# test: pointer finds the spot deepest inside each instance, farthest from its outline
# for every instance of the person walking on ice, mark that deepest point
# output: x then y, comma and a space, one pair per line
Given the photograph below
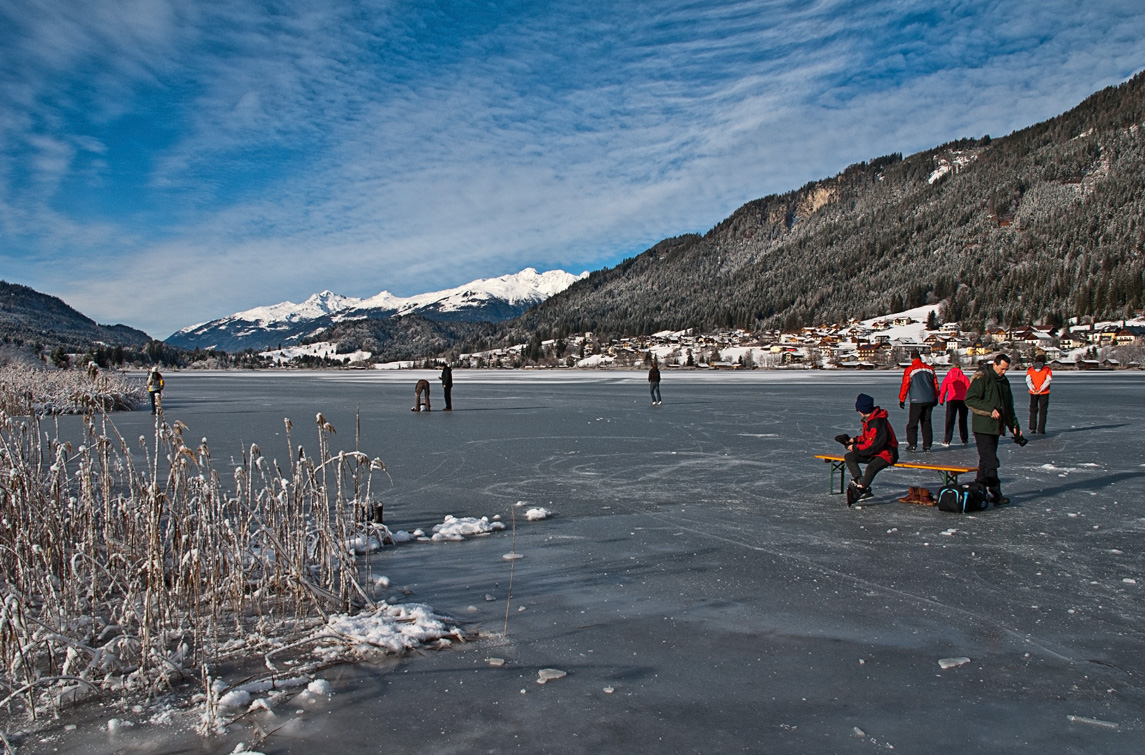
953, 394
155, 390
990, 401
920, 389
876, 447
421, 395
654, 383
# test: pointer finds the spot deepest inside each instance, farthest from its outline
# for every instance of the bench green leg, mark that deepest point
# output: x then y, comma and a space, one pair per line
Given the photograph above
949, 478
841, 468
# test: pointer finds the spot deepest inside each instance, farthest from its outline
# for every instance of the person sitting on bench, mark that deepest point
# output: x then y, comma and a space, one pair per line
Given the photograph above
876, 447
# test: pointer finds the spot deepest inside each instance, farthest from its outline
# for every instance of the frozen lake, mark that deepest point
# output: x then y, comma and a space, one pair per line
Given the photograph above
697, 582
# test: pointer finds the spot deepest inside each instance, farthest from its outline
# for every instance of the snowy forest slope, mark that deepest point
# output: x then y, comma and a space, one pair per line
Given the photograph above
1040, 225
28, 316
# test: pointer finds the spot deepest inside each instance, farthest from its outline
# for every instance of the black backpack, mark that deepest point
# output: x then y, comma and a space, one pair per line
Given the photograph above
964, 498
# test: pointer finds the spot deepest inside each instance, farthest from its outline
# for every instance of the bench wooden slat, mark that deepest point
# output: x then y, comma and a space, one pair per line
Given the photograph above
949, 472
912, 465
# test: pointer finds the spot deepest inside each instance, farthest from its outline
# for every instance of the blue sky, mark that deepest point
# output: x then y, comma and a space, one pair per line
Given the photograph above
165, 163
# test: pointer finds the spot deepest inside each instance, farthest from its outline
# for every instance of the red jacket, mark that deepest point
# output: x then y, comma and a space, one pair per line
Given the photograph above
878, 438
954, 386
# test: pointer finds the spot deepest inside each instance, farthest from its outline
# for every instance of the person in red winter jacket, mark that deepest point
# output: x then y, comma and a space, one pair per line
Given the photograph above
952, 392
876, 447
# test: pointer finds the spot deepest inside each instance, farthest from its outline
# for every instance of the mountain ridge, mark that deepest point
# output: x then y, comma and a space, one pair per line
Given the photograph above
483, 300
1038, 225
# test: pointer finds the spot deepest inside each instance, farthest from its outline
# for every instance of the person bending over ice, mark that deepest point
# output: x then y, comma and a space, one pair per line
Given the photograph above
876, 447
421, 396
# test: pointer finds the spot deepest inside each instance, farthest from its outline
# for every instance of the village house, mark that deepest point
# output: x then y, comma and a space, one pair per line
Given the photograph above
1068, 340
1124, 337
995, 335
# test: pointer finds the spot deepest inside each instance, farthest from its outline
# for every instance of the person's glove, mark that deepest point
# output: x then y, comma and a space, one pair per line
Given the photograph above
843, 438
902, 405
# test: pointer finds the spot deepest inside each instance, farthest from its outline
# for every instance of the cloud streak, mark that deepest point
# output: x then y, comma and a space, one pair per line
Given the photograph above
168, 163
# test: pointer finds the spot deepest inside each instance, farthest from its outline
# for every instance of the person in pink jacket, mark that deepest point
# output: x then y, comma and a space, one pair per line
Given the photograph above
953, 394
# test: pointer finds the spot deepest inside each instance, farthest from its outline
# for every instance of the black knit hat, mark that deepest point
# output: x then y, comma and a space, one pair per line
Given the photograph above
864, 404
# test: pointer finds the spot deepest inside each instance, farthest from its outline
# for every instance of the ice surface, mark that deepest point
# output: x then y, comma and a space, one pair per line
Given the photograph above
700, 569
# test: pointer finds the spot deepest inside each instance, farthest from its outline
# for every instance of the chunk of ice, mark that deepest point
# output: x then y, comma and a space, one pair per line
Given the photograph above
549, 674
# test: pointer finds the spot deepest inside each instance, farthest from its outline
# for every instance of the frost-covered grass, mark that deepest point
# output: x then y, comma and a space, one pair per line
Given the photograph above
25, 390
129, 567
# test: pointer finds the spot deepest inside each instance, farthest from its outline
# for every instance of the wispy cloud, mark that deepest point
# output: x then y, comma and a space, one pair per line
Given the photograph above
165, 163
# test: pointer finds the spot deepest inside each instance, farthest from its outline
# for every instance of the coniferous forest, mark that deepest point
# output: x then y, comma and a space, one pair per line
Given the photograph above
1038, 226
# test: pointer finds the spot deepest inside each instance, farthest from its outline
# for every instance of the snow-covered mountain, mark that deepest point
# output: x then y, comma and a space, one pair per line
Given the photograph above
485, 300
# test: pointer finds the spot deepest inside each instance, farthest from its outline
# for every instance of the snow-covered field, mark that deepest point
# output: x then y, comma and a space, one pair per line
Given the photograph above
677, 578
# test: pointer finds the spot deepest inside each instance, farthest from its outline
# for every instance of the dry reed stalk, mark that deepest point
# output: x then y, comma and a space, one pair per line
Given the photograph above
120, 573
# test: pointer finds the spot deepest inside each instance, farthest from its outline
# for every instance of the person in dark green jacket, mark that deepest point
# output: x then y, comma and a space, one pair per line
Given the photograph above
990, 401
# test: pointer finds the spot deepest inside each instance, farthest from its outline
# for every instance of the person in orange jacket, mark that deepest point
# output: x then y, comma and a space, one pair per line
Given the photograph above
1038, 379
920, 388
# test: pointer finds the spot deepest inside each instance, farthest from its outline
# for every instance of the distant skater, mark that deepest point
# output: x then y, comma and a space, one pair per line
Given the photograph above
155, 390
421, 395
654, 383
447, 386
953, 394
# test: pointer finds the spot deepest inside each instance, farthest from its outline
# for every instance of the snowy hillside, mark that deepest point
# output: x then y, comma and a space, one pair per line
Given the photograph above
527, 287
484, 300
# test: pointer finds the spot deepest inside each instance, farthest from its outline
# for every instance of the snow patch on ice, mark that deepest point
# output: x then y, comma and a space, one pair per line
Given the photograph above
319, 687
392, 629
236, 698
454, 528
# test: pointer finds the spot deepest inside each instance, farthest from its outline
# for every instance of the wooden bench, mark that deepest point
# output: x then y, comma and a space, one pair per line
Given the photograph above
949, 472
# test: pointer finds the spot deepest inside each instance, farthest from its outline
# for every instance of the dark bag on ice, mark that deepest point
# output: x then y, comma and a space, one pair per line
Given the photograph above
964, 498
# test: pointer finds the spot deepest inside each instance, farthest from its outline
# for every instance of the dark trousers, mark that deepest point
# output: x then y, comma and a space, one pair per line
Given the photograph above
655, 389
1039, 405
875, 464
919, 413
448, 391
955, 407
988, 461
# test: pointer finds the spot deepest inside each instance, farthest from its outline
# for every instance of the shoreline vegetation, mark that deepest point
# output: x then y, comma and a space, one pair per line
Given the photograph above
134, 570
27, 390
